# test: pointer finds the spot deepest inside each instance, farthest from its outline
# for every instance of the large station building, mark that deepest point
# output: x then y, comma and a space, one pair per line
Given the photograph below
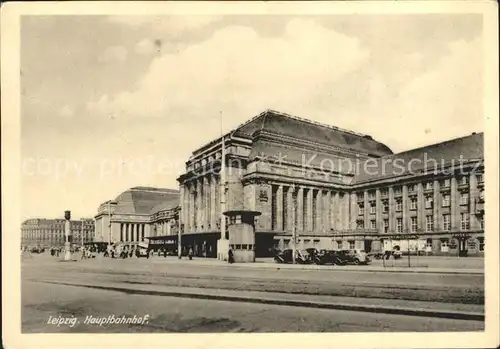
337, 188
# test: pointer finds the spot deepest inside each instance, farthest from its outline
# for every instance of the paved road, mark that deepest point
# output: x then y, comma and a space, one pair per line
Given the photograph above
325, 281
166, 314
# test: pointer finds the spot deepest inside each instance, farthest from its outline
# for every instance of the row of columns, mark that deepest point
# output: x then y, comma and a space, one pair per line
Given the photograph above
316, 209
200, 201
163, 228
132, 231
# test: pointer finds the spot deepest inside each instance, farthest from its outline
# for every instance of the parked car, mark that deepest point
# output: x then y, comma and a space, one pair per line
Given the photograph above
352, 257
326, 257
285, 256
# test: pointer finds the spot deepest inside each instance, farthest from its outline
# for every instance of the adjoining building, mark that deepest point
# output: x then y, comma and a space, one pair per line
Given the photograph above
335, 188
50, 232
338, 189
137, 213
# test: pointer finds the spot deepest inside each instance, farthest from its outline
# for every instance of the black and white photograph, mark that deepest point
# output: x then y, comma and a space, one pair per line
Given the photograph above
284, 168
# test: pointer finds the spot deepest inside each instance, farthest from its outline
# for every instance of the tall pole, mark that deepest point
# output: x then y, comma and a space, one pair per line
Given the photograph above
67, 236
109, 226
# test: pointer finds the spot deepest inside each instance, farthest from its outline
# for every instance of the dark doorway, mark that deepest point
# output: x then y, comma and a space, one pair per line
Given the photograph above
368, 246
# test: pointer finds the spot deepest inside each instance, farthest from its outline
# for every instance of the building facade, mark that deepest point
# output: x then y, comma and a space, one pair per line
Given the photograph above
338, 189
50, 232
138, 213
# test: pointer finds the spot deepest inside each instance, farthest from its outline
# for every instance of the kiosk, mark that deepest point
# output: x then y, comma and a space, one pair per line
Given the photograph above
242, 234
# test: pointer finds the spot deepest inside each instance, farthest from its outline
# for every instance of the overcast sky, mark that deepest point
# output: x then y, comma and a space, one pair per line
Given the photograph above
122, 101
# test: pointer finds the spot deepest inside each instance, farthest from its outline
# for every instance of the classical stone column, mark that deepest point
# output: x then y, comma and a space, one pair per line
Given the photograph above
199, 203
421, 221
328, 211
309, 213
319, 211
454, 205
300, 210
392, 210
378, 212
279, 208
436, 207
337, 210
213, 203
290, 214
366, 203
406, 210
473, 195
184, 208
353, 211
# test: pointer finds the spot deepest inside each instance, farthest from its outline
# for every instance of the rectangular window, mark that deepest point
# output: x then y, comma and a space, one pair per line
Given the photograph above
399, 205
373, 208
446, 222
428, 244
385, 206
339, 245
464, 221
238, 247
361, 209
429, 223
412, 188
413, 203
480, 178
445, 183
463, 180
360, 224
397, 191
481, 222
386, 225
244, 247
444, 245
384, 192
464, 198
446, 200
429, 185
399, 225
414, 224
429, 201
360, 196
481, 243
315, 242
373, 224
352, 244
307, 242
371, 195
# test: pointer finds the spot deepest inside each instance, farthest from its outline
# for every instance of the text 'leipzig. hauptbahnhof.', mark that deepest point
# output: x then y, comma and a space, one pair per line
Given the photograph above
338, 189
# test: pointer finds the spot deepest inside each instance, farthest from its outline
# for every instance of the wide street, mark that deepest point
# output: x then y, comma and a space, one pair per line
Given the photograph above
211, 296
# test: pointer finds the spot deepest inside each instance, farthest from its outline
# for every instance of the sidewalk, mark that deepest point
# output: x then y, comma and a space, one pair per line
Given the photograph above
371, 305
270, 264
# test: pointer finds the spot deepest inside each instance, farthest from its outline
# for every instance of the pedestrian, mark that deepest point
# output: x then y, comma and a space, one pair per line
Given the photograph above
190, 253
230, 256
165, 253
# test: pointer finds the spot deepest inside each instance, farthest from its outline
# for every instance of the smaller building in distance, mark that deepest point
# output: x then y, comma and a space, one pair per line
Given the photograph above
50, 232
138, 213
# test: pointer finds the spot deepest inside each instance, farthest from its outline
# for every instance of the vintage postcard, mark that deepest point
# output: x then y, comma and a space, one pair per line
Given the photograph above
250, 174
